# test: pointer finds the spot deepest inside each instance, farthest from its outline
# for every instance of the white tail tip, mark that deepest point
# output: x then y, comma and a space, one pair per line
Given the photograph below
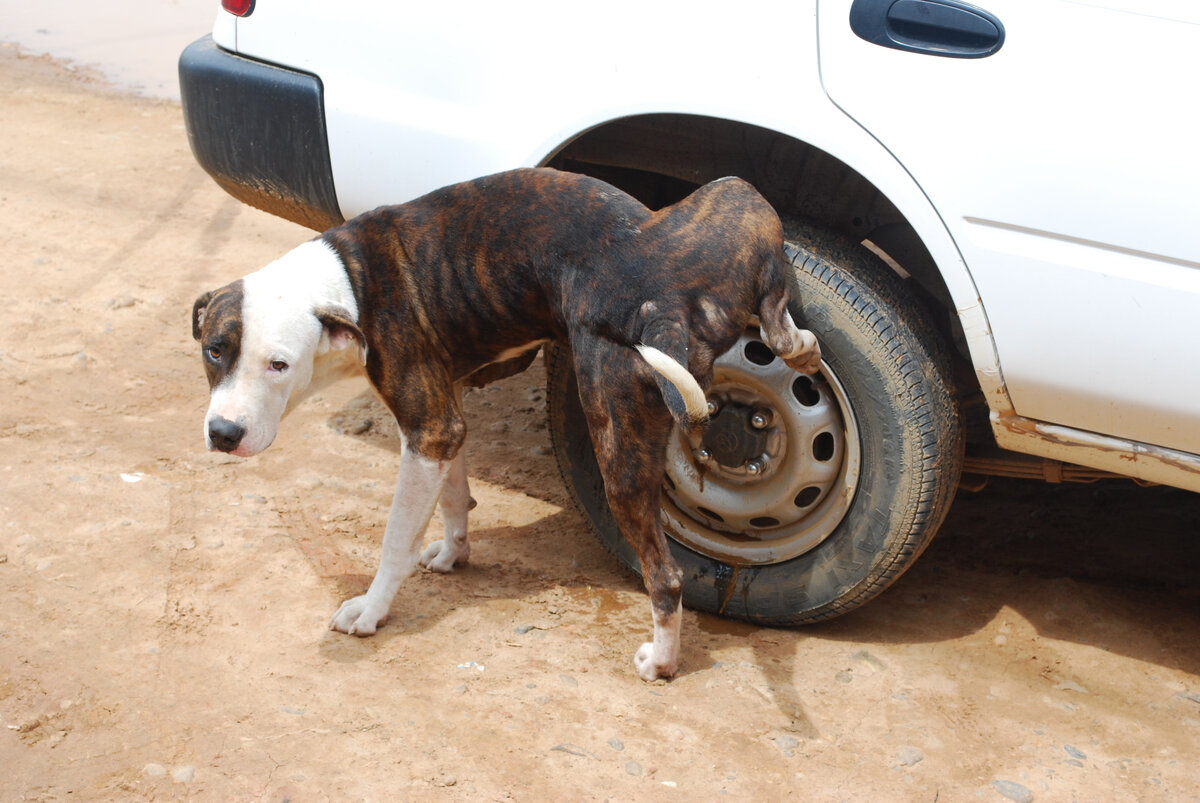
693, 395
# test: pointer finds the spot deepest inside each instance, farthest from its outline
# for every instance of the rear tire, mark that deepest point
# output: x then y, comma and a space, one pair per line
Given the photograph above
900, 452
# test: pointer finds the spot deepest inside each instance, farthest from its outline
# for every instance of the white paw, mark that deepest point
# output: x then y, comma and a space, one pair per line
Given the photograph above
806, 353
443, 556
648, 667
359, 617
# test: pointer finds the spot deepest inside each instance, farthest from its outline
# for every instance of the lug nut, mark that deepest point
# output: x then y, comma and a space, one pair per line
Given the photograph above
712, 408
761, 419
755, 467
703, 455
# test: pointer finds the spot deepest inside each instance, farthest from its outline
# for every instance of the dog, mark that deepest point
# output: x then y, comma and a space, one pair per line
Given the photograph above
461, 287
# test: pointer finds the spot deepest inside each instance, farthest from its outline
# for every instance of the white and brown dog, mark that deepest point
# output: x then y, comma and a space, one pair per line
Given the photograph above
460, 288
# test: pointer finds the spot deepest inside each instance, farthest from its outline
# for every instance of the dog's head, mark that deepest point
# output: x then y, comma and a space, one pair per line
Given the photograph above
263, 337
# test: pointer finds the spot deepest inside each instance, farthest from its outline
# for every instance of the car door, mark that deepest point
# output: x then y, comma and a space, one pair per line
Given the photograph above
1064, 164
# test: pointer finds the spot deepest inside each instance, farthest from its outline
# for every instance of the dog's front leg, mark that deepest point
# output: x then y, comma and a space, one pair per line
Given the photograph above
453, 549
417, 490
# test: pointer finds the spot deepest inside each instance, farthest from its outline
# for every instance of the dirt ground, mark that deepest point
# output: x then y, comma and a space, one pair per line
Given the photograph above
163, 627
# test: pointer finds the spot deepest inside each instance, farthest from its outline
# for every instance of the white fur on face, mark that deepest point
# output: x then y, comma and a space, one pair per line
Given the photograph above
281, 339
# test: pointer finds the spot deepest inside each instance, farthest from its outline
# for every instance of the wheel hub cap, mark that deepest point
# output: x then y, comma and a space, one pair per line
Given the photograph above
731, 439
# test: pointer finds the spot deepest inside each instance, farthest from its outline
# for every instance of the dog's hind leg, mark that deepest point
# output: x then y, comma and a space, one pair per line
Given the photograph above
795, 346
453, 549
630, 426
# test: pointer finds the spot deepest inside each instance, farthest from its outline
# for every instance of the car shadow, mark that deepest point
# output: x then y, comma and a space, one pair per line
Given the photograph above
1043, 551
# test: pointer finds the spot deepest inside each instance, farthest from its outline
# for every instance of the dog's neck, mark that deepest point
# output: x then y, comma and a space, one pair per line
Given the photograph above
311, 275
330, 367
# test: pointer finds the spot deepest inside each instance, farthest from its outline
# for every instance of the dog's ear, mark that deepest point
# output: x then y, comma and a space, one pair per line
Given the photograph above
341, 332
199, 310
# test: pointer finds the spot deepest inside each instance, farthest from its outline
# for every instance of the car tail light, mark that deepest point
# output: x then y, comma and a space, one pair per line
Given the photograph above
241, 8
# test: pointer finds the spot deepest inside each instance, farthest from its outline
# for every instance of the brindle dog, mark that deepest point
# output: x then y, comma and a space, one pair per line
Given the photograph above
460, 288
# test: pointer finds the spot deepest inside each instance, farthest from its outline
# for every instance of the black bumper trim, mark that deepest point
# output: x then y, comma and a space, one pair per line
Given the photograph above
259, 131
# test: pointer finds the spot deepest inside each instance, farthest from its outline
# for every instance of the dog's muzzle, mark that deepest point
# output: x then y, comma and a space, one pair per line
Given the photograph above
225, 435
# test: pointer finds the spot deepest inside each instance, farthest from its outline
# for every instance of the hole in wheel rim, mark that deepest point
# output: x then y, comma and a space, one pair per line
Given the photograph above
807, 496
805, 391
823, 447
758, 353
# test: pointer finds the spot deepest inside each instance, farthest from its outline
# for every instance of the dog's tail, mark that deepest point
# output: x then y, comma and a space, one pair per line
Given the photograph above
682, 393
664, 347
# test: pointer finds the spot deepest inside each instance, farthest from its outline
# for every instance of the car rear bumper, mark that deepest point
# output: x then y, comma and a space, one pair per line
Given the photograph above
259, 131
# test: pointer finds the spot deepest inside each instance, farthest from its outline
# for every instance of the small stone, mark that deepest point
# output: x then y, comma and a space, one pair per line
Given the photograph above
543, 451
908, 756
1188, 695
1074, 752
571, 749
29, 725
359, 427
845, 676
522, 629
616, 744
121, 302
786, 744
183, 774
155, 770
866, 658
633, 768
567, 680
1013, 791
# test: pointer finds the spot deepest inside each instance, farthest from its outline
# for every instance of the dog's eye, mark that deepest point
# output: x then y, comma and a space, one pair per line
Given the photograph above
279, 366
214, 353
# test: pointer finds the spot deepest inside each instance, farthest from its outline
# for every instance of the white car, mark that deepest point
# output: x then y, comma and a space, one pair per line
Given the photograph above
993, 219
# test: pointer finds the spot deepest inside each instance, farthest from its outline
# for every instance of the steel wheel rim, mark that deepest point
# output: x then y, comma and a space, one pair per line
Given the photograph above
806, 477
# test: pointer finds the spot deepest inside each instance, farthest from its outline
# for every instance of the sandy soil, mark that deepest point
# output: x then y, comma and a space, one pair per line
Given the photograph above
163, 628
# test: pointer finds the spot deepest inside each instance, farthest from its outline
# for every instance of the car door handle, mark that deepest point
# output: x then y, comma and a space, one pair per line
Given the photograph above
935, 27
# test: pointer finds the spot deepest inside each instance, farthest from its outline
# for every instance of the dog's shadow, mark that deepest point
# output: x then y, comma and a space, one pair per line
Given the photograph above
577, 585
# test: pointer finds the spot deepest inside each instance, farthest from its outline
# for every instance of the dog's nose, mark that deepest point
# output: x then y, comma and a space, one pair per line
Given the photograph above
225, 434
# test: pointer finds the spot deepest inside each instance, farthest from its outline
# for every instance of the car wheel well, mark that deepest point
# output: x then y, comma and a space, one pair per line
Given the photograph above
659, 158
